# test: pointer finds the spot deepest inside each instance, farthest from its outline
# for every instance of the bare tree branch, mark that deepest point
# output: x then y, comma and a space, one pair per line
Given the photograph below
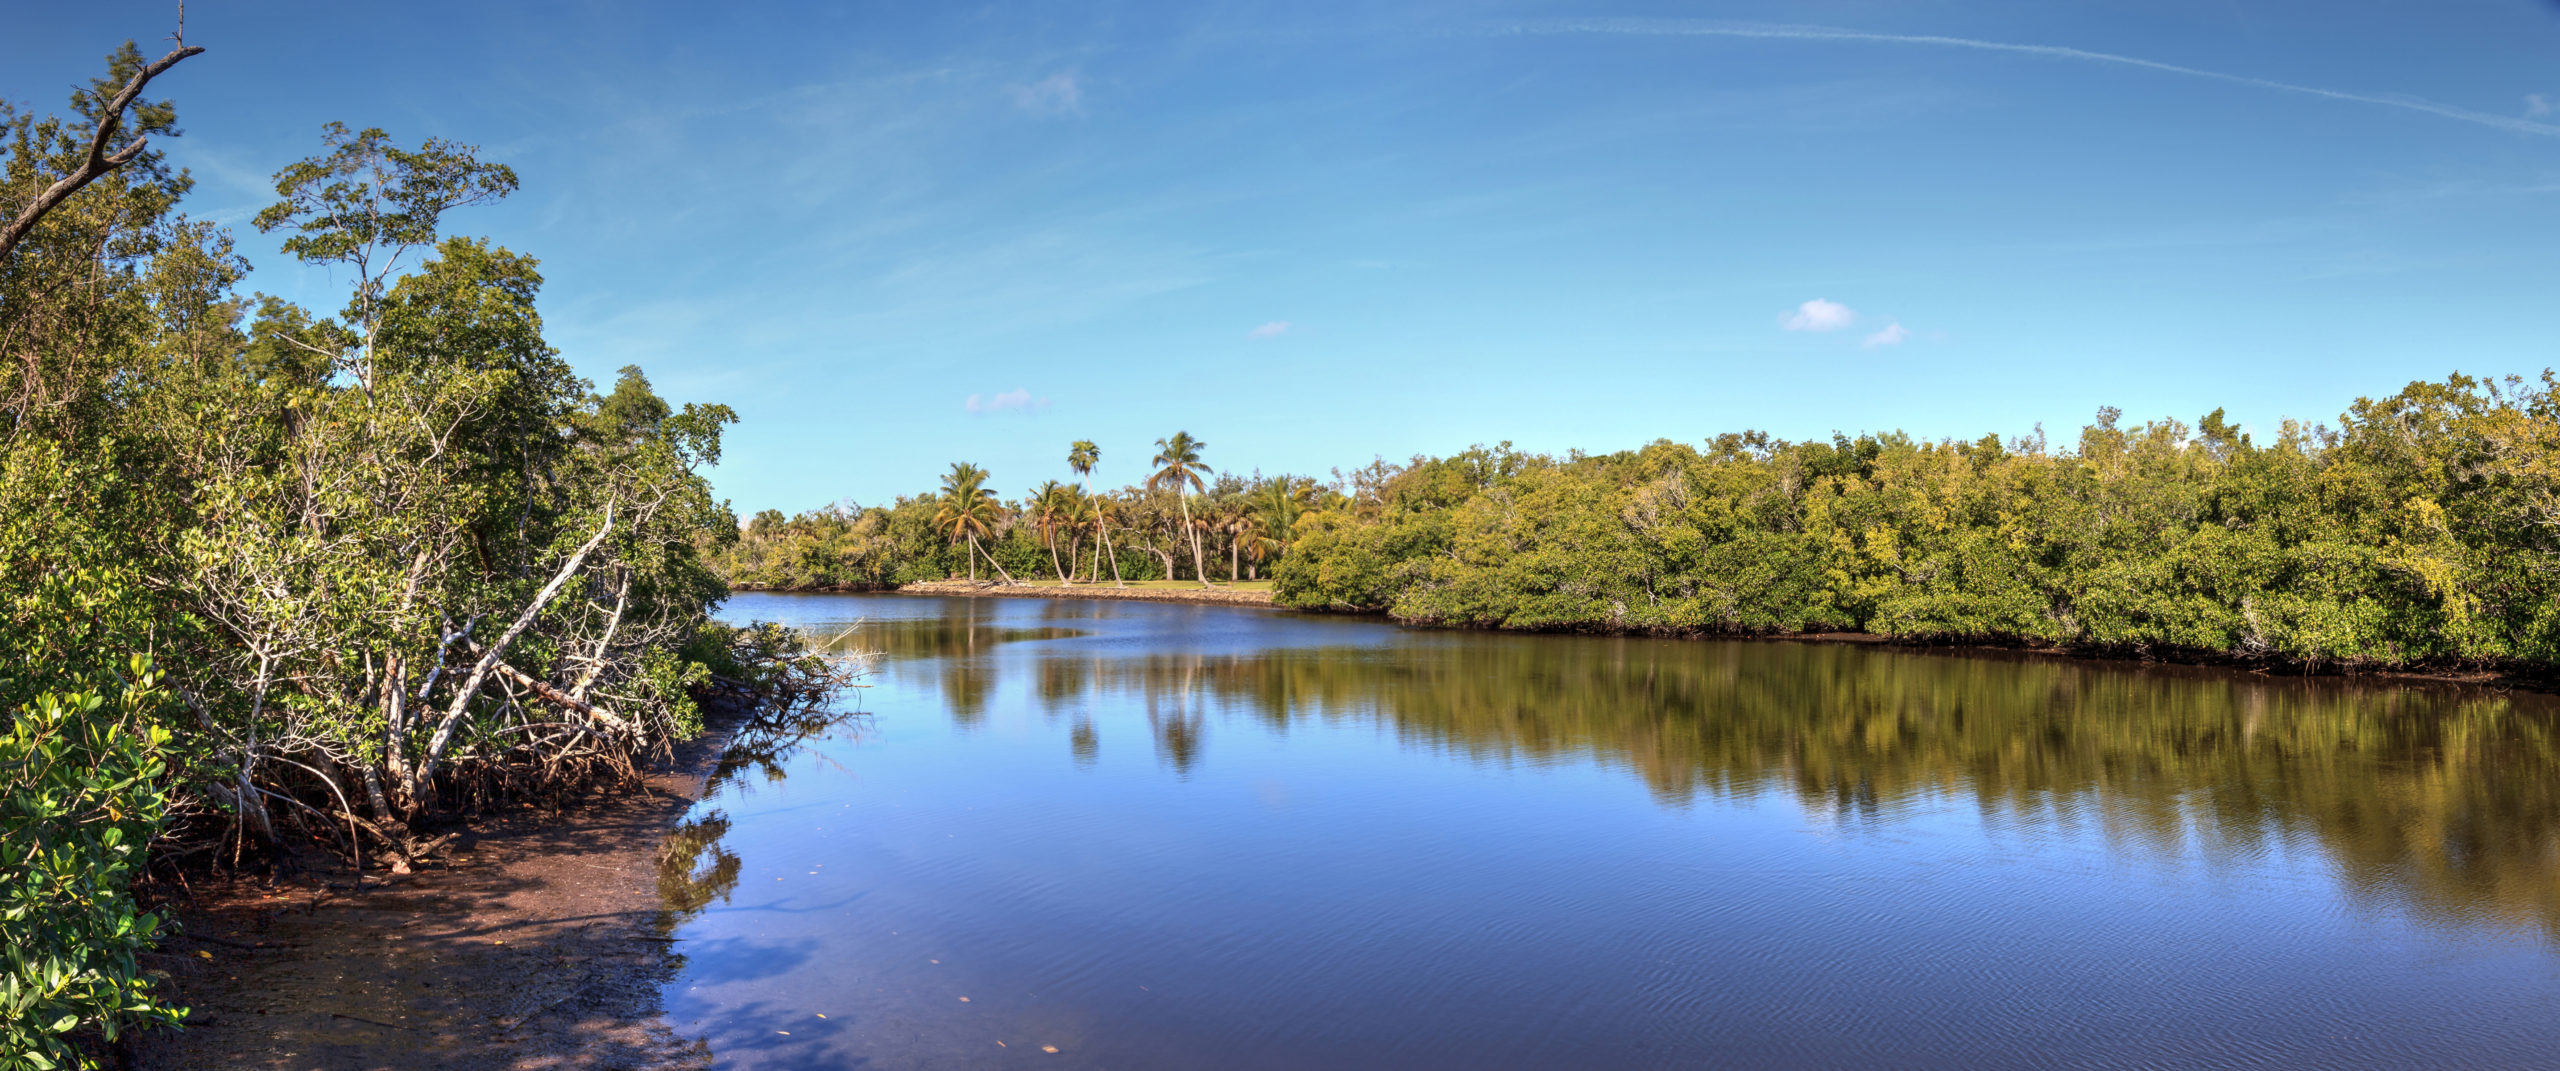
489, 658
99, 161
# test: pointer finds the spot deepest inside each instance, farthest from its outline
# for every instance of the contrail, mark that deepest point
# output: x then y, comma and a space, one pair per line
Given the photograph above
1691, 28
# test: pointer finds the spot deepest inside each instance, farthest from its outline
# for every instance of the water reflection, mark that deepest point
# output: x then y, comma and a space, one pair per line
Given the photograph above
1342, 844
693, 869
2441, 800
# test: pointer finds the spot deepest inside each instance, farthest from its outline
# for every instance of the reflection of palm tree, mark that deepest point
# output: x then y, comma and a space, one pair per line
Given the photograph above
1177, 463
969, 511
966, 685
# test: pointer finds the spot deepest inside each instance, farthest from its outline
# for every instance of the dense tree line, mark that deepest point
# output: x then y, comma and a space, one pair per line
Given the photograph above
2423, 529
273, 575
1185, 522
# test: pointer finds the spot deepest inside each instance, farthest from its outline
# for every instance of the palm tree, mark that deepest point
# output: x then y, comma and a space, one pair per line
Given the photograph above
1077, 518
969, 511
1082, 456
1282, 500
1105, 508
1177, 463
1257, 542
1233, 515
1050, 506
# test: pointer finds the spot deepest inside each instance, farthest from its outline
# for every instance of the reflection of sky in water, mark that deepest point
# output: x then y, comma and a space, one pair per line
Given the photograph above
1172, 836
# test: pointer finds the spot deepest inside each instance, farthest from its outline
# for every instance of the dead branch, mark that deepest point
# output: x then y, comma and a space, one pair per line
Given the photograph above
99, 161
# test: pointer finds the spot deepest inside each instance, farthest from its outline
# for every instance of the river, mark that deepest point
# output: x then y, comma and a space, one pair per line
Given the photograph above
1134, 835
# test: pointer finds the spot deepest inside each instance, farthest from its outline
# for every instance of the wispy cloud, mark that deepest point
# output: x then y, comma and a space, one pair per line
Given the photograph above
1782, 32
1274, 329
1018, 399
1059, 94
1821, 315
1892, 335
2537, 105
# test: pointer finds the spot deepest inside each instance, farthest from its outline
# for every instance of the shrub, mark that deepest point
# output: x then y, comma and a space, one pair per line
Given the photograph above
82, 791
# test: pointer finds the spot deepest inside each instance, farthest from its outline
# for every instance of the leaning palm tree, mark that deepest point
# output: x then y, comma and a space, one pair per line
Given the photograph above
969, 511
1106, 509
1077, 518
1177, 463
1082, 456
1051, 503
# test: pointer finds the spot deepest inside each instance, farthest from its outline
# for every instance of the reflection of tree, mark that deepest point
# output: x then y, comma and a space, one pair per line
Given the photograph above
693, 869
1061, 682
1083, 742
905, 638
1174, 717
2444, 801
770, 738
965, 686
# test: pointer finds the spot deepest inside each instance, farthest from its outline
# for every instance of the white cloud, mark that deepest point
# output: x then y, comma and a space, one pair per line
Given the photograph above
2536, 105
1274, 329
1821, 315
1059, 94
1892, 335
1001, 401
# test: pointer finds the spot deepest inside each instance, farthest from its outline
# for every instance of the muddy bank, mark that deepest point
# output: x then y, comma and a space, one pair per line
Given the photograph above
1220, 596
535, 941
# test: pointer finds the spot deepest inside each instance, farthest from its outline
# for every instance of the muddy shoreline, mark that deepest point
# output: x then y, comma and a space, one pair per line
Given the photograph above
536, 940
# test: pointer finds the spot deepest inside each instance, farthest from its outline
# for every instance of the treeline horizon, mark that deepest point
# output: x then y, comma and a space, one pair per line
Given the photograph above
2422, 530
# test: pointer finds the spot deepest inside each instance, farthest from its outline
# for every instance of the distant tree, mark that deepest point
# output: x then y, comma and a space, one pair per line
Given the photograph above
968, 512
1177, 463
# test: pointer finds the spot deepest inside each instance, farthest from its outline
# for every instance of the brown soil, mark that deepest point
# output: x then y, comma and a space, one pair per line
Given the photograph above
536, 940
1222, 596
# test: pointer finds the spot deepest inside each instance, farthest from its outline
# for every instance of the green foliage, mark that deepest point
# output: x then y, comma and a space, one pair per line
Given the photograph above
82, 792
2422, 530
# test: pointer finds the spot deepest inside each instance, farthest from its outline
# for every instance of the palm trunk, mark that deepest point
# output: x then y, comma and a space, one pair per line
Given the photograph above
1115, 561
992, 563
1199, 565
1235, 555
1053, 558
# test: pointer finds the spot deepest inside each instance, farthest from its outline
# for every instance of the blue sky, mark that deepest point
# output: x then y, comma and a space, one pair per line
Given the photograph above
897, 235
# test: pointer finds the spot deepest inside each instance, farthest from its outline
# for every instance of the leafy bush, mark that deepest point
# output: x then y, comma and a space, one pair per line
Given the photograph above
81, 793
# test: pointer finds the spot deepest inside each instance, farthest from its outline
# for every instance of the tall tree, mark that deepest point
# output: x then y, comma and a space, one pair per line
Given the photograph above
1177, 463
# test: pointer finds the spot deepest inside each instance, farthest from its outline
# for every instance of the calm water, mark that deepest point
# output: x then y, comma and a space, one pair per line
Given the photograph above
1176, 837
